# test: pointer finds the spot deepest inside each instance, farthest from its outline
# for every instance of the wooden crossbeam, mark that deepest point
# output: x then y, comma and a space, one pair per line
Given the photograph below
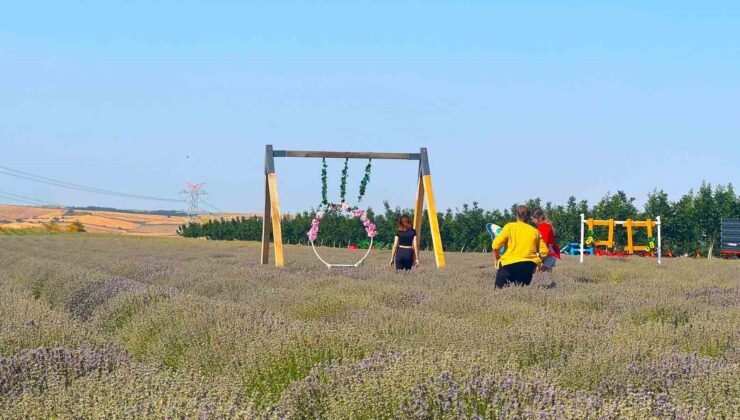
345, 155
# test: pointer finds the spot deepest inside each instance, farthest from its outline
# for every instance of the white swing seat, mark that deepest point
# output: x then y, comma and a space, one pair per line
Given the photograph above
332, 265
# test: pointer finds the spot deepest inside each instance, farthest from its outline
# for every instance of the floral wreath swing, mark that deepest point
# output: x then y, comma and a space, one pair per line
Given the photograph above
342, 207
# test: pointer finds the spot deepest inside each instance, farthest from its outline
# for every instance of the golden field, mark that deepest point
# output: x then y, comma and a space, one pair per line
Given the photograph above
31, 218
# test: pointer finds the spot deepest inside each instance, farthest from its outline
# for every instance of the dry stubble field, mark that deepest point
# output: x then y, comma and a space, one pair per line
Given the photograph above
122, 327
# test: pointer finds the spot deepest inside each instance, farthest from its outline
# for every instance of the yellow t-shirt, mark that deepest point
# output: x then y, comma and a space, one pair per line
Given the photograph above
522, 242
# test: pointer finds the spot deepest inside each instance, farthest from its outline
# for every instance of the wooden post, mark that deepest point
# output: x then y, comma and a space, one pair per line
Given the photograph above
266, 226
426, 176
277, 233
272, 212
628, 224
419, 208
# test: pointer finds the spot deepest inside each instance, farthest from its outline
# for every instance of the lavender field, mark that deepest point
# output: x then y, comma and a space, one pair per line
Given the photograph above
125, 327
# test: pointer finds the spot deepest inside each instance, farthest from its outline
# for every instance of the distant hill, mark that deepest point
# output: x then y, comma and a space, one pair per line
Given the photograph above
101, 219
115, 210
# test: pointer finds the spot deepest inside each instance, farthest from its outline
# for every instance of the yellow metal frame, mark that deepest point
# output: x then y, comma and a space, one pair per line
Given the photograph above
630, 225
609, 243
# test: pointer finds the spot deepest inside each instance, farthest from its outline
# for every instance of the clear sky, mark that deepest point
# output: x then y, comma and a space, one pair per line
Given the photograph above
513, 99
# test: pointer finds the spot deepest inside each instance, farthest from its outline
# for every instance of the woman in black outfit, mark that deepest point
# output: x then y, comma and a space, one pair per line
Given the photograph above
405, 252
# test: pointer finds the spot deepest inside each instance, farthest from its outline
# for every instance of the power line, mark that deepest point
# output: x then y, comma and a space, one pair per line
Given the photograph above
207, 204
18, 200
79, 187
27, 199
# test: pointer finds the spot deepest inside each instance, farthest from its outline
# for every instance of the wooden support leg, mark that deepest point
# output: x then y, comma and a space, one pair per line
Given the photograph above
266, 226
433, 222
277, 233
419, 210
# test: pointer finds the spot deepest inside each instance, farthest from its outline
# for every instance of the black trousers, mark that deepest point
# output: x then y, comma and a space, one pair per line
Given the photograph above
516, 273
404, 258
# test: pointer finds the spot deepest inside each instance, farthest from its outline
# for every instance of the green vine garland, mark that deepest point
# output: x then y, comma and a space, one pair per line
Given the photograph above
324, 187
365, 180
343, 185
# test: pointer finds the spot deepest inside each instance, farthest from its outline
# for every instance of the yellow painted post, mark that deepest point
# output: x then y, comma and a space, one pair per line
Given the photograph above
419, 210
649, 228
630, 248
266, 226
277, 233
439, 255
611, 234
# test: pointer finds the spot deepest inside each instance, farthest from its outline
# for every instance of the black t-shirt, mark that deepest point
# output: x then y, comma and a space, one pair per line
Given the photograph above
406, 238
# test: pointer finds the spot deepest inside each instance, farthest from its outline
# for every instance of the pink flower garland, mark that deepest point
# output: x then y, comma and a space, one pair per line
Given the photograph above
313, 233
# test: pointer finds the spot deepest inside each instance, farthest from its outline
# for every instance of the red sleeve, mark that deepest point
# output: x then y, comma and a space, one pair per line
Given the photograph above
547, 234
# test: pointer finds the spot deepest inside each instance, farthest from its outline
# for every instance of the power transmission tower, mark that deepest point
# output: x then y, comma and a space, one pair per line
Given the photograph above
192, 195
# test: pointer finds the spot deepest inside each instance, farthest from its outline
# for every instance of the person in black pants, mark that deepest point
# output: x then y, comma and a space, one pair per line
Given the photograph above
525, 250
405, 253
515, 273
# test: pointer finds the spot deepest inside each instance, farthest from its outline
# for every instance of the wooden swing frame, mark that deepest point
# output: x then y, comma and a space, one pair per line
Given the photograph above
271, 219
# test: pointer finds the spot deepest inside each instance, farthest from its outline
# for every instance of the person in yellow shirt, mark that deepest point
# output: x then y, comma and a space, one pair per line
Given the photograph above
525, 250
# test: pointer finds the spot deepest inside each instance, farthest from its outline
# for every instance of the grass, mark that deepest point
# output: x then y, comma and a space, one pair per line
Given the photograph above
111, 326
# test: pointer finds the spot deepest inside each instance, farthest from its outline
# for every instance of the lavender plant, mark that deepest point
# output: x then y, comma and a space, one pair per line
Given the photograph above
111, 326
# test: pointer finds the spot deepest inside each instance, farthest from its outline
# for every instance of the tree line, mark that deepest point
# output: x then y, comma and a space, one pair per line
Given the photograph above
691, 223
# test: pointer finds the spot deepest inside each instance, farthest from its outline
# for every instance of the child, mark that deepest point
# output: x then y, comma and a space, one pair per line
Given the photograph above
548, 235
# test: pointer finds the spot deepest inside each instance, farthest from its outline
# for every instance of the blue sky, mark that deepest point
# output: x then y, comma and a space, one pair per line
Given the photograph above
513, 99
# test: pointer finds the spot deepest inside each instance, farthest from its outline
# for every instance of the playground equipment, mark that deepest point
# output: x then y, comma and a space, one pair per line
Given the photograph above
589, 237
271, 220
730, 237
574, 248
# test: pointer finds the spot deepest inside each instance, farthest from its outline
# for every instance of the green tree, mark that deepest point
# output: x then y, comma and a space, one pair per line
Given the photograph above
566, 220
707, 218
620, 207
